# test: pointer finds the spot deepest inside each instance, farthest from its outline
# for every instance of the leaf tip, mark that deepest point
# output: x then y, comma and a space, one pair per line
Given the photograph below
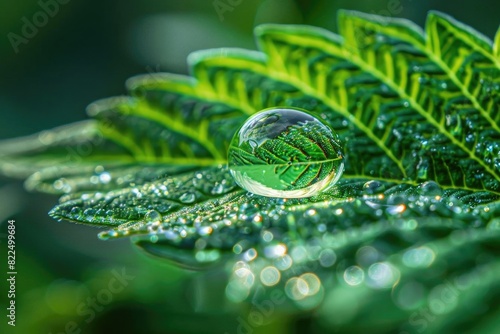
436, 17
97, 107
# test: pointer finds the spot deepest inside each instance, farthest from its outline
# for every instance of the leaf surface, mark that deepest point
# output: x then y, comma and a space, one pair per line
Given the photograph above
418, 113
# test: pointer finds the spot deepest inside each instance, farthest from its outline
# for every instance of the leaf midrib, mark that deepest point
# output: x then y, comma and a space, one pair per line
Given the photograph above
429, 51
266, 70
145, 111
294, 163
284, 76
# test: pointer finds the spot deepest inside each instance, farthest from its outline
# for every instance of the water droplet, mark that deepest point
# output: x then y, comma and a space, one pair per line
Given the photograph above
136, 192
217, 189
373, 187
250, 255
354, 275
89, 213
205, 230
105, 178
267, 236
396, 209
313, 283
271, 154
396, 199
382, 275
270, 276
243, 274
284, 262
430, 189
153, 217
187, 198
76, 211
275, 251
296, 288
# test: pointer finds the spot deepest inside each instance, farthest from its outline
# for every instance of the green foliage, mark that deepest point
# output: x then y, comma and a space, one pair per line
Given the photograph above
419, 114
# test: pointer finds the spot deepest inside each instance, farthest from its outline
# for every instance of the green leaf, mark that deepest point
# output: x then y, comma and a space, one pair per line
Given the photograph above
449, 115
418, 205
73, 145
171, 189
496, 47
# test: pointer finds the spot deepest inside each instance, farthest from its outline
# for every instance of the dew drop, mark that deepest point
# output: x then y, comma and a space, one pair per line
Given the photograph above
284, 262
105, 178
89, 213
272, 155
217, 189
205, 230
354, 275
382, 275
430, 189
153, 217
187, 198
270, 276
76, 211
397, 199
94, 179
373, 187
296, 288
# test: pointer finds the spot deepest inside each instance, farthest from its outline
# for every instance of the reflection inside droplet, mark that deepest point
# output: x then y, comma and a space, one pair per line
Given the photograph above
285, 153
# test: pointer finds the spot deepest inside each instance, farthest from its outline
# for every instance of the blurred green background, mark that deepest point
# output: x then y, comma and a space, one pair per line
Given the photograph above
85, 52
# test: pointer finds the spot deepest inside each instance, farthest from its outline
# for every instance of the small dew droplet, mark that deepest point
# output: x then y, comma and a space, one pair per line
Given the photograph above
187, 198
153, 217
373, 187
430, 189
89, 213
76, 211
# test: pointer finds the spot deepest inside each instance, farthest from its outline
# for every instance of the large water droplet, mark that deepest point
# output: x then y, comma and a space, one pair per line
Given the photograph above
285, 153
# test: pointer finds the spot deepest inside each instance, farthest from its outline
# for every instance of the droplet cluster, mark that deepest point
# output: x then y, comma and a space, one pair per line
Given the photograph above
275, 244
